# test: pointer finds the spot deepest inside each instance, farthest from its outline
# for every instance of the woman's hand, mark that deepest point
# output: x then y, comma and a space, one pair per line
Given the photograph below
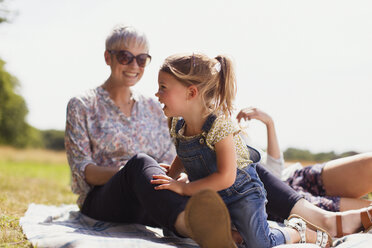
166, 182
165, 167
249, 113
182, 177
254, 113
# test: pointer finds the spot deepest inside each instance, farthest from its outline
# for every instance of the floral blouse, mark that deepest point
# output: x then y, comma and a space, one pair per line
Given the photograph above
98, 133
221, 128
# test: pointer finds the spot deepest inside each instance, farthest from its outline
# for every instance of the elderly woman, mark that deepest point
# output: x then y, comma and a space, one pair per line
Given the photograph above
115, 139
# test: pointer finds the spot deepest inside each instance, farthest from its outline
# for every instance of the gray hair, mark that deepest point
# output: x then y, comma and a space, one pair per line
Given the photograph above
124, 36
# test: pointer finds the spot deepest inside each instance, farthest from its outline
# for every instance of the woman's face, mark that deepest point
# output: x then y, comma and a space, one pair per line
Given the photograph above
129, 74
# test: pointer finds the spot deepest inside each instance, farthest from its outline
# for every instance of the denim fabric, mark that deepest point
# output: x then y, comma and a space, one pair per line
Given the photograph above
245, 199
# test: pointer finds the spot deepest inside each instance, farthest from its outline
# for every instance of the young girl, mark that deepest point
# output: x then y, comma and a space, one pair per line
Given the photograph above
197, 93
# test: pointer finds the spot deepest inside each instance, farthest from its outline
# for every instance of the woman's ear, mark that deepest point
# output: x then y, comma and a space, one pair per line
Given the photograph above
192, 92
107, 57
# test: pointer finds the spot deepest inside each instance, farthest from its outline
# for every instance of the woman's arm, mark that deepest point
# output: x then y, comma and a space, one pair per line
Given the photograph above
98, 175
78, 148
273, 148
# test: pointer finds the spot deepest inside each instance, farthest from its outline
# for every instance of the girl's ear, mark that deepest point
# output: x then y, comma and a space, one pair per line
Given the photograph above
107, 57
192, 92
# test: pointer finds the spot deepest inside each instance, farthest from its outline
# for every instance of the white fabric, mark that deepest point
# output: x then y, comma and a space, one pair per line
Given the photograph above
64, 226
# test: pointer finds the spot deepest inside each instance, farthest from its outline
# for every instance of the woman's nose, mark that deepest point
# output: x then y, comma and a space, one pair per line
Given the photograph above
134, 63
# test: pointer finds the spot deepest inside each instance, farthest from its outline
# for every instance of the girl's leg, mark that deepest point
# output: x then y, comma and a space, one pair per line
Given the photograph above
349, 177
249, 217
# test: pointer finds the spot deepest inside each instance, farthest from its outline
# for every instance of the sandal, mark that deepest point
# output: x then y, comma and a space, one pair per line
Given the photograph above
340, 232
366, 217
323, 239
208, 220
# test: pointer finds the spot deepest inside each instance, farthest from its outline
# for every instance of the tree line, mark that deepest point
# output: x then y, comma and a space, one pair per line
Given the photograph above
14, 130
293, 154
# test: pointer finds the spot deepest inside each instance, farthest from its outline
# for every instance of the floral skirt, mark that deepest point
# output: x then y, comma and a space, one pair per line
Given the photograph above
308, 183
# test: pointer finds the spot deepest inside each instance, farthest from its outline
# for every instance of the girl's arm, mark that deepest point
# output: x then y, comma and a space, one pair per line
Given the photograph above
225, 175
223, 178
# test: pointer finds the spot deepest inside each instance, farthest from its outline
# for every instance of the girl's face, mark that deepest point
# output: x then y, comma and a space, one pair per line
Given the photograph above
172, 94
129, 74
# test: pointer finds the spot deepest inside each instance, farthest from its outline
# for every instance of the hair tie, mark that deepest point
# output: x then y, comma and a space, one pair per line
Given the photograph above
217, 66
193, 60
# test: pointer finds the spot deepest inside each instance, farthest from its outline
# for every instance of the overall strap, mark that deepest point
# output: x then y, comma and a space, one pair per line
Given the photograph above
208, 123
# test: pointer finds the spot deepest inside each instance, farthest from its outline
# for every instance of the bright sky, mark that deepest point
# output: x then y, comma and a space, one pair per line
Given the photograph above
307, 63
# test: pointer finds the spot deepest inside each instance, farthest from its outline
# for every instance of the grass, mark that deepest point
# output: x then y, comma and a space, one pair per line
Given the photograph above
29, 176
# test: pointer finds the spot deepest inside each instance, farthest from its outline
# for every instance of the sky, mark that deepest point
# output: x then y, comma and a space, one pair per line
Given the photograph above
306, 63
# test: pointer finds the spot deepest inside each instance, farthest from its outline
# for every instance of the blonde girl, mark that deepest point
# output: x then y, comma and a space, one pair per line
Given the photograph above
197, 93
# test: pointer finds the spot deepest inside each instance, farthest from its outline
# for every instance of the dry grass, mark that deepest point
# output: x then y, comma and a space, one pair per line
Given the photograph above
29, 176
32, 155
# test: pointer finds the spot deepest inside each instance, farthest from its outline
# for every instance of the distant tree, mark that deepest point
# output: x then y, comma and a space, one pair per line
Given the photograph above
14, 129
53, 139
293, 154
4, 12
324, 156
346, 154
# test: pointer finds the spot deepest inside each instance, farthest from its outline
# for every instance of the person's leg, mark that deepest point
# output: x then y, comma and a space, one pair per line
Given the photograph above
351, 220
129, 197
308, 182
281, 198
353, 203
349, 177
250, 219
208, 221
283, 201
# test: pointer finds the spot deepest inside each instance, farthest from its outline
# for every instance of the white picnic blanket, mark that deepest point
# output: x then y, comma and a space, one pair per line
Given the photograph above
65, 226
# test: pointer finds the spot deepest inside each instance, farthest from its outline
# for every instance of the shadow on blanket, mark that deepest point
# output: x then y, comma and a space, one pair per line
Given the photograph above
64, 226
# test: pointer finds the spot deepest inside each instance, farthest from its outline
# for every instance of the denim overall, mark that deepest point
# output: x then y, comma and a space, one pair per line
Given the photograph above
245, 199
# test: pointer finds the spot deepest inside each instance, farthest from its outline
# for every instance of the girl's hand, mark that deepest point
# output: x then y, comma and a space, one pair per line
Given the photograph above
166, 182
183, 178
254, 113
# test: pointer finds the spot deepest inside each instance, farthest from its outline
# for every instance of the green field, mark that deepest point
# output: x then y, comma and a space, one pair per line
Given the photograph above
29, 176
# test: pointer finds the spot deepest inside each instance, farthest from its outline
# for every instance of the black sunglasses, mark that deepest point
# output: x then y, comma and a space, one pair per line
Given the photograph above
125, 57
